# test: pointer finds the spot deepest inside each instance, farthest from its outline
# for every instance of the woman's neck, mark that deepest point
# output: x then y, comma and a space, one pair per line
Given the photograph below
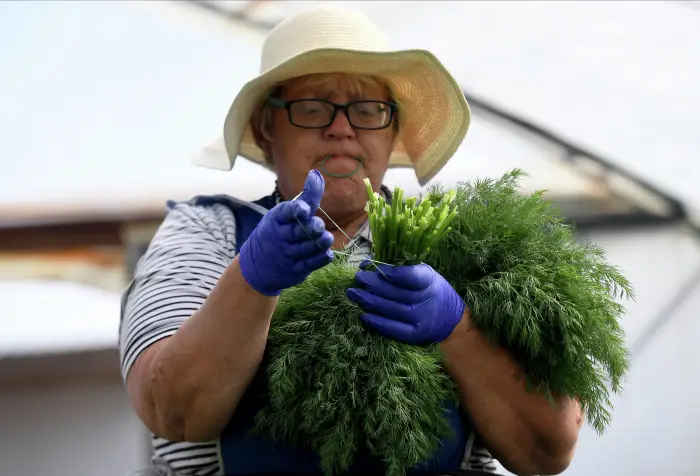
344, 229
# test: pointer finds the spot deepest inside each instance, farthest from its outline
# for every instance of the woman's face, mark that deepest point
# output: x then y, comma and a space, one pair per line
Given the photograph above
296, 150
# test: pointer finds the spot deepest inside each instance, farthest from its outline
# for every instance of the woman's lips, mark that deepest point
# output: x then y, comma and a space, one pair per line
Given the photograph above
340, 164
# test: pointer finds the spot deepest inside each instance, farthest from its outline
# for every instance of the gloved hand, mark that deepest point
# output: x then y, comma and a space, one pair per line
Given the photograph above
412, 304
281, 252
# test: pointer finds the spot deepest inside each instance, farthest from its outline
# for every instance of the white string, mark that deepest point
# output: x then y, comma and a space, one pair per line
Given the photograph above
336, 252
351, 241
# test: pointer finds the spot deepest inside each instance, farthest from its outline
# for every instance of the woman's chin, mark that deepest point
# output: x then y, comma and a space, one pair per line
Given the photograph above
342, 187
344, 195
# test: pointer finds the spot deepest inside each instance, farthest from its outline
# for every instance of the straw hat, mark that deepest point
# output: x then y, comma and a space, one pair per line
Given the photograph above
434, 115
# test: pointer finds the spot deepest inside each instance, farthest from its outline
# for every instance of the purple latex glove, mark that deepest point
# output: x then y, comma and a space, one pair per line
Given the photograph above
288, 243
412, 304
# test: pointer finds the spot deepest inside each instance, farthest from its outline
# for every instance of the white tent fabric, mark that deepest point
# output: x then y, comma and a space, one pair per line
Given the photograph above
109, 103
42, 317
619, 77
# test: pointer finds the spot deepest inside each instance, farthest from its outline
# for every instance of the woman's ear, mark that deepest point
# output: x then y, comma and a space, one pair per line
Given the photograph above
261, 134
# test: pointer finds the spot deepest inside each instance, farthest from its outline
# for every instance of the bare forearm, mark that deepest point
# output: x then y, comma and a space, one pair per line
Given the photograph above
197, 377
523, 430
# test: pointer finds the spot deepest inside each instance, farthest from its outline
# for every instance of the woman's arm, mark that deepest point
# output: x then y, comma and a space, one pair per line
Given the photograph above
193, 331
210, 312
186, 387
522, 430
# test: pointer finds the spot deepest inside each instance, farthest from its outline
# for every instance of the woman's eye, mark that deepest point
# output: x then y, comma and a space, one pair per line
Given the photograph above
370, 111
310, 110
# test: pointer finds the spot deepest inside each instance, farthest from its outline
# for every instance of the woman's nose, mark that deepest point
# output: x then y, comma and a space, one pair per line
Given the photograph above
340, 128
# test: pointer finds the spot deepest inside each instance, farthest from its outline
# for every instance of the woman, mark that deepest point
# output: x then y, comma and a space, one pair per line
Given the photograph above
332, 106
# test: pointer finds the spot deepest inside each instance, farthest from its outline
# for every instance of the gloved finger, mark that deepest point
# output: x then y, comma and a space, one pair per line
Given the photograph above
375, 283
305, 249
314, 262
380, 305
313, 224
389, 328
313, 190
416, 277
289, 212
303, 230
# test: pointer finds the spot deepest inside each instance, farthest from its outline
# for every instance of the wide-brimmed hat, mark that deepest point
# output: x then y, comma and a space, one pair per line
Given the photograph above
433, 114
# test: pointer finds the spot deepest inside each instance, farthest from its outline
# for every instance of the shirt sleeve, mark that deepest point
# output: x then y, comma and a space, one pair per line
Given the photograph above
188, 254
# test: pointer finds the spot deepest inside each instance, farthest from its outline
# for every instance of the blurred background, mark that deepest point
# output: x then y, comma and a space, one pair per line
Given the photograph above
103, 104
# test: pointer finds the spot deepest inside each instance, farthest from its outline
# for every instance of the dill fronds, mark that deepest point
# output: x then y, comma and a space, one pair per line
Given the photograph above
552, 302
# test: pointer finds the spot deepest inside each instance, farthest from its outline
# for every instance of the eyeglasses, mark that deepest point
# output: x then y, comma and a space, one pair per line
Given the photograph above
319, 113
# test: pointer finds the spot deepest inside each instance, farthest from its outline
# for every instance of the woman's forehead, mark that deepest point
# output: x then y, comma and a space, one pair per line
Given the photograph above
328, 85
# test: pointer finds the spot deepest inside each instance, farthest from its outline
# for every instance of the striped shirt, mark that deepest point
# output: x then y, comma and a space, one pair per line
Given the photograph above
186, 257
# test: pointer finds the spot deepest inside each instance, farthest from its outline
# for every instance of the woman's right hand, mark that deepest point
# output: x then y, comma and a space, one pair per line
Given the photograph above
288, 243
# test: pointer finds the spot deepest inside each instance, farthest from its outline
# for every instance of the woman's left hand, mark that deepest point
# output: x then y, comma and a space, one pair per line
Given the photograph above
412, 304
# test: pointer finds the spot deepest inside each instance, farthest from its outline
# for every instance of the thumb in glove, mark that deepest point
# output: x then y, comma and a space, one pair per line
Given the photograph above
289, 242
314, 186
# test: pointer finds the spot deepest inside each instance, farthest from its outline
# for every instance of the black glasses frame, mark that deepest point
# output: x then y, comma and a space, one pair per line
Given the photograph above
276, 102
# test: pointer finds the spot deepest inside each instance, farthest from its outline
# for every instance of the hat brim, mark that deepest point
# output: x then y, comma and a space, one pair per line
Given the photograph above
434, 114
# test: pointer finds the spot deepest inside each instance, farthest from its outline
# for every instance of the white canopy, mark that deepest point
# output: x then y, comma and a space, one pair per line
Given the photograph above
53, 316
108, 104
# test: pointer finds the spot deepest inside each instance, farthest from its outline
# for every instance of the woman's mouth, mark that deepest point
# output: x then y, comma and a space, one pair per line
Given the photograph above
340, 166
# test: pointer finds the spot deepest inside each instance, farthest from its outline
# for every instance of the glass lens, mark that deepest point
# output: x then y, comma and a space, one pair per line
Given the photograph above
311, 113
369, 114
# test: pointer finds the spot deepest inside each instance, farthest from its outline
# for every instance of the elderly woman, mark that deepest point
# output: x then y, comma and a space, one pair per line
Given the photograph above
332, 106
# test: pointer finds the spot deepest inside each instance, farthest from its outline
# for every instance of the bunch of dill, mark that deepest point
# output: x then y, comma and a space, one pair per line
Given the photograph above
532, 288
337, 387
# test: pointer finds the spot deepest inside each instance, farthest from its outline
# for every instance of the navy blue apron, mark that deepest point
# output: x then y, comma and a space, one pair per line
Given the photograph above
246, 454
